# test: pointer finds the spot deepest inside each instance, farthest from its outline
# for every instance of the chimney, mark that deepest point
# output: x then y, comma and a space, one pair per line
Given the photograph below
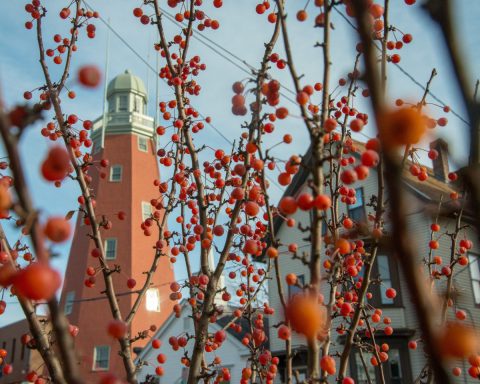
440, 164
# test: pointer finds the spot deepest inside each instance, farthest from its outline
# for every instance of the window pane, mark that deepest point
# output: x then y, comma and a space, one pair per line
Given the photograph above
357, 214
146, 210
383, 267
116, 173
122, 103
476, 291
358, 198
395, 366
293, 289
324, 227
69, 302
302, 373
101, 356
111, 248
474, 266
142, 143
152, 298
138, 104
361, 374
356, 211
383, 289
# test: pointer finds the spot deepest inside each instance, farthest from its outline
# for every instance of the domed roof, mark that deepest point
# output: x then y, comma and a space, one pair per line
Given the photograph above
126, 82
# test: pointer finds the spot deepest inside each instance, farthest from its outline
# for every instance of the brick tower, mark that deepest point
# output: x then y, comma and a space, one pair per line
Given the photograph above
124, 136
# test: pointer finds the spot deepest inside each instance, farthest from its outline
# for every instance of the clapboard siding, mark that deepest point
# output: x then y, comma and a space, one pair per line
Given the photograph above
419, 220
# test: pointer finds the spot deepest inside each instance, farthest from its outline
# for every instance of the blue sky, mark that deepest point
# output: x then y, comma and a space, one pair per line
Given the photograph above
243, 32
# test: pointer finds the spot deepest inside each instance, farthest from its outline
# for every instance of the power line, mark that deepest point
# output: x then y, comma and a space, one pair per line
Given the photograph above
127, 293
146, 62
200, 36
407, 74
171, 18
155, 71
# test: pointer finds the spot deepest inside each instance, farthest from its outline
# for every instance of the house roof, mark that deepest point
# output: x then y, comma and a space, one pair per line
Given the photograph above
221, 322
430, 190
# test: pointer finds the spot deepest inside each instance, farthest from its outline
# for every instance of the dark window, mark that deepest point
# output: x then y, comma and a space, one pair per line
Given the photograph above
386, 269
14, 345
293, 289
386, 276
396, 369
324, 227
111, 249
122, 103
356, 211
69, 299
22, 353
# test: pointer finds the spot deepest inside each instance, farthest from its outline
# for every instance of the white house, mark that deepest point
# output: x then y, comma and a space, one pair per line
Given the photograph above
233, 353
404, 365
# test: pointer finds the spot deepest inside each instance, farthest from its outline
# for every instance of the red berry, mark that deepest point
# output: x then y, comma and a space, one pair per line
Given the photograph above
38, 281
117, 329
57, 229
89, 76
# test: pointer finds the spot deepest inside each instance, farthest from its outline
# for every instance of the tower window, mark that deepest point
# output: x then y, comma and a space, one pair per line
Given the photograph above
143, 143
152, 300
111, 249
116, 173
138, 104
123, 103
146, 210
69, 298
101, 358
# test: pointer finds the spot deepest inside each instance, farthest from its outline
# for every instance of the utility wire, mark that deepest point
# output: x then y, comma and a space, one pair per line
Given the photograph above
155, 71
171, 18
200, 36
407, 74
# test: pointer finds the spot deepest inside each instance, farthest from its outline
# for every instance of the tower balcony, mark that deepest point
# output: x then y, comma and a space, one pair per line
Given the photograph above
118, 123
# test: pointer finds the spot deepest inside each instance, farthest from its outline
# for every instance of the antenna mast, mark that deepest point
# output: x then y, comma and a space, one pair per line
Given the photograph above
104, 118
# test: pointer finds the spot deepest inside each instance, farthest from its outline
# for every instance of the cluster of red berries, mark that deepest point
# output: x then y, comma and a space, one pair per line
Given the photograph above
280, 63
238, 100
35, 11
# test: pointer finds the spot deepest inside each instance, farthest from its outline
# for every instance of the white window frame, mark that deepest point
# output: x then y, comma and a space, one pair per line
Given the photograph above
94, 365
474, 267
69, 299
116, 166
140, 143
152, 300
146, 207
106, 246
